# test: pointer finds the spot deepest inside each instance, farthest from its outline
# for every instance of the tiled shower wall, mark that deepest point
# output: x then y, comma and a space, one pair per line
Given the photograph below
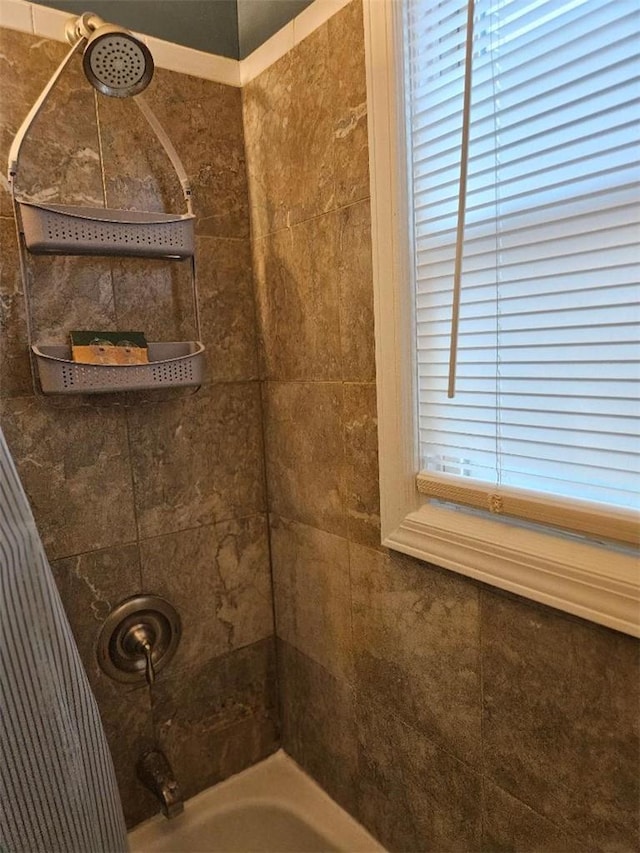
158, 493
443, 714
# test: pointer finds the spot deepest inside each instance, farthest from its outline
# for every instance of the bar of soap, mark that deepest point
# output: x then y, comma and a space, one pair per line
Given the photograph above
96, 347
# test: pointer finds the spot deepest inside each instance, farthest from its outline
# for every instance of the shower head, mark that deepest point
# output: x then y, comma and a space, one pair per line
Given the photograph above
115, 62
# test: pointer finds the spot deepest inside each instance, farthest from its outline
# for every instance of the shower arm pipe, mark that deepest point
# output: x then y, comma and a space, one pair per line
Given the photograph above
166, 143
16, 145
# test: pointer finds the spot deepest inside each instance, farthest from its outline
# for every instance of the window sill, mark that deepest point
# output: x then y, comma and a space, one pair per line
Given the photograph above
593, 582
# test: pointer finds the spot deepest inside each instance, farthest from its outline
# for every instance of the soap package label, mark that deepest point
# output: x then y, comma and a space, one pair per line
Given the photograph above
109, 347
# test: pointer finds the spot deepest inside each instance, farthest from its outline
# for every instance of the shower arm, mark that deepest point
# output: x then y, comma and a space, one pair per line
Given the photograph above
143, 106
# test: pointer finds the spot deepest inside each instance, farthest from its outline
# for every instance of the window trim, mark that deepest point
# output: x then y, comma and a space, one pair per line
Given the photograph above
597, 583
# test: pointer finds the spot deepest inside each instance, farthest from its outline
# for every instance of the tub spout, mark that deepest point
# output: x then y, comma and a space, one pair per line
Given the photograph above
156, 774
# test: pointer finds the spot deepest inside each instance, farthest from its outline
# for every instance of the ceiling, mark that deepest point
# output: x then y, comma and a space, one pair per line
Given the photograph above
232, 28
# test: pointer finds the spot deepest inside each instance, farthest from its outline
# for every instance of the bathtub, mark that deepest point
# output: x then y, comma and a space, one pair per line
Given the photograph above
273, 807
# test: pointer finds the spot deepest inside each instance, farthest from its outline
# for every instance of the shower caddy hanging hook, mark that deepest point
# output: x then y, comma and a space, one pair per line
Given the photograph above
54, 229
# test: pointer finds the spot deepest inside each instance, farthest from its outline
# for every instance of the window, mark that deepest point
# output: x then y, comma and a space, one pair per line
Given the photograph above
547, 359
542, 424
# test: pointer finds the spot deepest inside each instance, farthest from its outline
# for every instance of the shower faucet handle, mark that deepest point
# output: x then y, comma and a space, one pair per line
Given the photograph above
149, 672
139, 640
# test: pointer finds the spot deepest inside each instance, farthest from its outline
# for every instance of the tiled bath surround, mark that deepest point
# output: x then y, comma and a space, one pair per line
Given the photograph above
443, 714
159, 493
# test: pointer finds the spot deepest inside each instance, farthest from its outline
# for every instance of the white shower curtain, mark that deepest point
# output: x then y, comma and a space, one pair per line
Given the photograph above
58, 791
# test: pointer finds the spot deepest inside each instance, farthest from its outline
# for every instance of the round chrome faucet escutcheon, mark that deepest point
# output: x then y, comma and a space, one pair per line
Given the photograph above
138, 638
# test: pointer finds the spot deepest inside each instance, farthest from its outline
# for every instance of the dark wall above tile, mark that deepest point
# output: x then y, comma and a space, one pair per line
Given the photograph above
260, 19
209, 25
232, 28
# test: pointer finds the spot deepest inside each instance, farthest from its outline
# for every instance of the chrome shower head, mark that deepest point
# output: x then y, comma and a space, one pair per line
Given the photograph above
115, 62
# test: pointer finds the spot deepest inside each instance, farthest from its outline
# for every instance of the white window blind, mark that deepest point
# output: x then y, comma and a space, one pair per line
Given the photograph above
546, 406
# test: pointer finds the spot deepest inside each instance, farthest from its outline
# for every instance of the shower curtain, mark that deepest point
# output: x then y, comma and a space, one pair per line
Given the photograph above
58, 791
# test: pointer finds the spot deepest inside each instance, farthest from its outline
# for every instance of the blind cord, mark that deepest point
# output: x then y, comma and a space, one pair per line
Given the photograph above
462, 202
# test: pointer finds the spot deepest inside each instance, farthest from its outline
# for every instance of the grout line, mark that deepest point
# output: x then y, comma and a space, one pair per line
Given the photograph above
230, 239
352, 656
483, 800
267, 515
391, 711
136, 520
481, 606
226, 520
483, 768
263, 385
115, 547
343, 382
290, 226
337, 678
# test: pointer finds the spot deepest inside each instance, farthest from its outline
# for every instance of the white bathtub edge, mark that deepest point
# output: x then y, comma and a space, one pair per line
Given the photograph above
277, 781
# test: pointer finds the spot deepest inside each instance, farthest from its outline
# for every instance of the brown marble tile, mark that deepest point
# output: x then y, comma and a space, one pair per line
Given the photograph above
218, 579
128, 727
311, 588
318, 728
204, 121
220, 718
355, 281
349, 89
227, 307
298, 301
90, 586
309, 137
266, 104
362, 491
59, 160
154, 296
15, 375
416, 646
74, 464
562, 717
510, 826
413, 795
197, 459
315, 298
305, 453
68, 293
137, 173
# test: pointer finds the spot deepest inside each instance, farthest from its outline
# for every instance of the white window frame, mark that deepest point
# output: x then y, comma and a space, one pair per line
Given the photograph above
595, 582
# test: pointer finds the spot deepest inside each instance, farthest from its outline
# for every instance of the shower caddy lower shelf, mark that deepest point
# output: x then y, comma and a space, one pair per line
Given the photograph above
171, 364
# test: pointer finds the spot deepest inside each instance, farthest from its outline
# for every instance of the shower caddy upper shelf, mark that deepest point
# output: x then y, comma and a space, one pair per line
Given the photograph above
56, 229
65, 229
